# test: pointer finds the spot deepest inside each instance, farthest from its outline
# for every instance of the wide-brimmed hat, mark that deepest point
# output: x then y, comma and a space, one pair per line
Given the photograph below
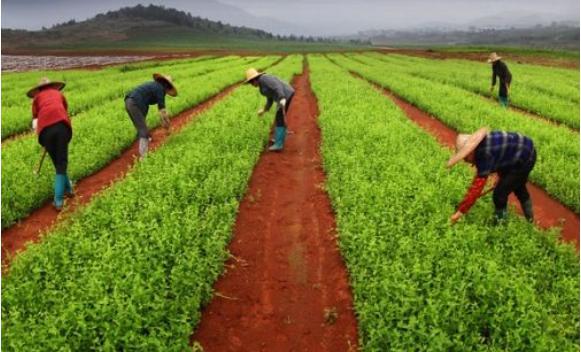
466, 144
493, 57
167, 79
44, 82
251, 74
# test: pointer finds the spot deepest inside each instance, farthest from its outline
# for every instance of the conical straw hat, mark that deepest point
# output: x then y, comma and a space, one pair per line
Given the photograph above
167, 79
251, 74
466, 144
493, 57
44, 82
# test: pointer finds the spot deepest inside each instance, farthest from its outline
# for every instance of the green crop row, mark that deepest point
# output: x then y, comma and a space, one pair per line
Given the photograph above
131, 271
557, 168
555, 81
99, 135
86, 93
420, 284
80, 81
554, 100
22, 80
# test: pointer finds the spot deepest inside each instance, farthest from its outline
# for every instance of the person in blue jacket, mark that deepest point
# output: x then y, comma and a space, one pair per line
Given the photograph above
137, 105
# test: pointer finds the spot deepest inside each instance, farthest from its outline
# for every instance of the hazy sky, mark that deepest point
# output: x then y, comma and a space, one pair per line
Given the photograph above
322, 17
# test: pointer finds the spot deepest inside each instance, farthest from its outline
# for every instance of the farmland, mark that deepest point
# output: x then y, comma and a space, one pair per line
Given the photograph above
136, 267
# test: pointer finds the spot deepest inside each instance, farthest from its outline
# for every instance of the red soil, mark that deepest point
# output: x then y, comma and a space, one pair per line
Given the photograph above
30, 229
548, 211
286, 286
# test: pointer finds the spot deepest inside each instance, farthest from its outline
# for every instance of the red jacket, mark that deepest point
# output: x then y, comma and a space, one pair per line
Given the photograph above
473, 194
49, 107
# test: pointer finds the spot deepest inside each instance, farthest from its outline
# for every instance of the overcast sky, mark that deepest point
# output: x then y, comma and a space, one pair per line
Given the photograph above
323, 17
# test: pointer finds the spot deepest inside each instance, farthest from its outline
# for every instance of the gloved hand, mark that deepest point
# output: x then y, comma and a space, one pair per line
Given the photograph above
261, 112
34, 124
282, 103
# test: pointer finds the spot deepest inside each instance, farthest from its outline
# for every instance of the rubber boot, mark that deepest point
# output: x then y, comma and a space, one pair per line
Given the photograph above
68, 187
59, 191
279, 134
500, 216
503, 101
527, 209
283, 136
143, 146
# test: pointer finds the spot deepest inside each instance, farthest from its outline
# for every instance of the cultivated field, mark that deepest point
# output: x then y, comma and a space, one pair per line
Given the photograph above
341, 242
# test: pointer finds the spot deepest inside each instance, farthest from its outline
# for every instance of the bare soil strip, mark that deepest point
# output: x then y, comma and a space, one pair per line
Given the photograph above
548, 211
286, 287
30, 229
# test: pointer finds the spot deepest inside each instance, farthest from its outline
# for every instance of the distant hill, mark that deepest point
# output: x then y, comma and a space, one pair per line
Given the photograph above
554, 36
144, 27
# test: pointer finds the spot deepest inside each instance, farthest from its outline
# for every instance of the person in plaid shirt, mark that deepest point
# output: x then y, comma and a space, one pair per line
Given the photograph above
511, 155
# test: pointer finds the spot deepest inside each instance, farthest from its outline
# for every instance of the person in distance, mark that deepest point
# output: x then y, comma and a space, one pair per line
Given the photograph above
511, 155
137, 105
51, 122
500, 70
274, 89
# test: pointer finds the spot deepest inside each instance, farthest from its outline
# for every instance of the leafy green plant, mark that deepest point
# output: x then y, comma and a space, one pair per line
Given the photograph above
90, 89
539, 90
99, 135
420, 284
557, 168
131, 270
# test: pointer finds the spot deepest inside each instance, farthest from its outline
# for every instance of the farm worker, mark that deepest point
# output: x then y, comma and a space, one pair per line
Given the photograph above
500, 69
137, 105
51, 122
277, 90
511, 155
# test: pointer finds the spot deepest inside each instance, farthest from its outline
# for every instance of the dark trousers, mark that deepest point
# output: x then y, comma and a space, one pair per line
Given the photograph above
503, 88
280, 115
513, 181
55, 139
137, 117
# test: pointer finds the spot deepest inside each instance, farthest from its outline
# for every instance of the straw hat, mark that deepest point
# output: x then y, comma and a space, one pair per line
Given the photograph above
466, 144
44, 82
251, 74
167, 79
493, 57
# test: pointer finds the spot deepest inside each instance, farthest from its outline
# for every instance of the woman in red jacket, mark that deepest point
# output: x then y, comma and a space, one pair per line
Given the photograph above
51, 122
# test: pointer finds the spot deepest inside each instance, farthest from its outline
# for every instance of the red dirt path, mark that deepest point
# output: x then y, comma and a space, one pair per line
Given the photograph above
548, 211
30, 229
286, 287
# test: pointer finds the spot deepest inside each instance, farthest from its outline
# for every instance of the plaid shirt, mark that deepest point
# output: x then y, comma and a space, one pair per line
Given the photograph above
500, 151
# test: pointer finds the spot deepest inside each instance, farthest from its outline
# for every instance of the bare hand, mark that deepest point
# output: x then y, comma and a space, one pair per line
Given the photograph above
165, 122
454, 218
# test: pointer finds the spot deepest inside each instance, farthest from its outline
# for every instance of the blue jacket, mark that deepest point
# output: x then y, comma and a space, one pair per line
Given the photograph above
148, 94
